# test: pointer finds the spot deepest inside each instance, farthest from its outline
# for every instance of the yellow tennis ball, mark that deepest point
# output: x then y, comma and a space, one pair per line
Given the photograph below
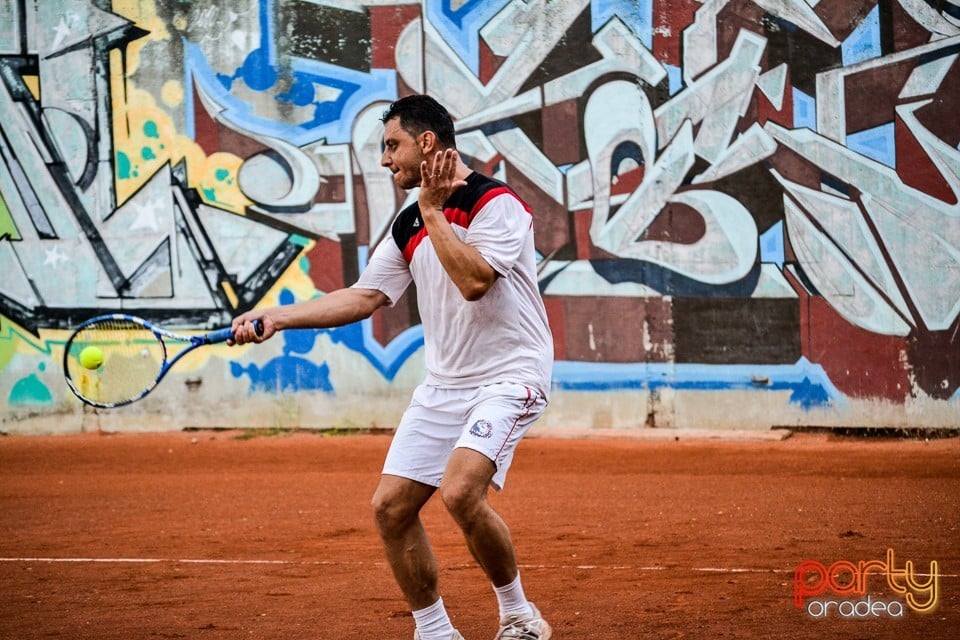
91, 357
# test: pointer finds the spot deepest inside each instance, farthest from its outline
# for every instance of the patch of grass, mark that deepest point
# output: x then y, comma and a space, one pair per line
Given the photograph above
250, 434
346, 428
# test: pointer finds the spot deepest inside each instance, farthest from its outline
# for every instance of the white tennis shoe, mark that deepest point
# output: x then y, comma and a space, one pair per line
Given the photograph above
513, 627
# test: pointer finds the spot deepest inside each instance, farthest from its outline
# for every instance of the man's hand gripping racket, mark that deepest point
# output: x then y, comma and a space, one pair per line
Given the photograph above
116, 359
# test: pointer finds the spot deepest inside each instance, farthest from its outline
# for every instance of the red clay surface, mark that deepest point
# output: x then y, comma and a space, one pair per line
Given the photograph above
205, 535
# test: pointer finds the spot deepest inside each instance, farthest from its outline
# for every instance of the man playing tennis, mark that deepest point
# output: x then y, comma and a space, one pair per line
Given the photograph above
467, 244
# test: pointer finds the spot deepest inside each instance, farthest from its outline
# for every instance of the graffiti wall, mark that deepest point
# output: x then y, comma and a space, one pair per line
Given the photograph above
746, 211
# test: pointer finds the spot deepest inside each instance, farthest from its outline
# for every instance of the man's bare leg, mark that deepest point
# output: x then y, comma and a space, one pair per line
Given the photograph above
464, 489
464, 492
396, 507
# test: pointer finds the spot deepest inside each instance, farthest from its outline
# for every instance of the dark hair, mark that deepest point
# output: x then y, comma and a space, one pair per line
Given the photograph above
419, 113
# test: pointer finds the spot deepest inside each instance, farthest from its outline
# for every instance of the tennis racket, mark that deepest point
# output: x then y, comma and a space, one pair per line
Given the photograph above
116, 359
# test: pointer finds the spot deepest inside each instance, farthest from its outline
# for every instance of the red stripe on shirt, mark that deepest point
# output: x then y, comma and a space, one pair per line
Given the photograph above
493, 193
457, 216
453, 216
461, 217
413, 243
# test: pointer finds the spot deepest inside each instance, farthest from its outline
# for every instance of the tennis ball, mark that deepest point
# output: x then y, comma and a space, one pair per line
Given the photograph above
91, 357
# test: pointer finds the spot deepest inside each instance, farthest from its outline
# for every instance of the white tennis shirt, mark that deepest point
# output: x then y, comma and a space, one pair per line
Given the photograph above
503, 336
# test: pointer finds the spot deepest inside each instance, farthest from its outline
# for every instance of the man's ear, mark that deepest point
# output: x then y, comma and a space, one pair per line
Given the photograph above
428, 142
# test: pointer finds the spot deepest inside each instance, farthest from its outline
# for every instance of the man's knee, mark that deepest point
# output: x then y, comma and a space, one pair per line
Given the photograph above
465, 484
463, 499
396, 505
391, 513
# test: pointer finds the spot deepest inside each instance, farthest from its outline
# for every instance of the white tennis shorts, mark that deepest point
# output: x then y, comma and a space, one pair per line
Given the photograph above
490, 419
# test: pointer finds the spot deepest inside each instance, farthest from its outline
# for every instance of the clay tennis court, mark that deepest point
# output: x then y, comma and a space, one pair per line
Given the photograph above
217, 535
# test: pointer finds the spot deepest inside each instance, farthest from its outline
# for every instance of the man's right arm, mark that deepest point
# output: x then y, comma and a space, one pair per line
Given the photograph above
340, 307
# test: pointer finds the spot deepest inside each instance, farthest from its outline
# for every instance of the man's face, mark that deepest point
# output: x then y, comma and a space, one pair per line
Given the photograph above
401, 154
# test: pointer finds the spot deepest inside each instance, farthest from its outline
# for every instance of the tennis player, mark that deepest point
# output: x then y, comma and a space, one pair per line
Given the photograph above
467, 244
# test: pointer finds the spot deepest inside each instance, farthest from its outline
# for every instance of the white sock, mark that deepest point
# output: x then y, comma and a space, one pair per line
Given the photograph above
433, 623
512, 600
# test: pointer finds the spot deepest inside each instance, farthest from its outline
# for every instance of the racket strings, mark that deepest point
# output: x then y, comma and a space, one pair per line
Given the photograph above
133, 357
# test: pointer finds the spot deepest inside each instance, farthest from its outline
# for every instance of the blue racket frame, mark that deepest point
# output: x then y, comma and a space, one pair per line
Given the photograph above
193, 342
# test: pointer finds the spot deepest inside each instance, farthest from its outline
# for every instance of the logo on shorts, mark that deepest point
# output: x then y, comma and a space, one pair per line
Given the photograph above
481, 429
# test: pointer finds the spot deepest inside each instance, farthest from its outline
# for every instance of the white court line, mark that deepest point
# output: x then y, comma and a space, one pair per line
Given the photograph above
175, 561
586, 567
334, 563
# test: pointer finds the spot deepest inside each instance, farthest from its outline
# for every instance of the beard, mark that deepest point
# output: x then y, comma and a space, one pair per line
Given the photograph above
408, 179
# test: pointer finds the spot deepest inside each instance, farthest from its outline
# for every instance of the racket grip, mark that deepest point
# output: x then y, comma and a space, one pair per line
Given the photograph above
222, 335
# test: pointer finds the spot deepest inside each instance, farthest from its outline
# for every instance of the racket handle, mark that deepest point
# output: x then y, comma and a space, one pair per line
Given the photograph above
222, 335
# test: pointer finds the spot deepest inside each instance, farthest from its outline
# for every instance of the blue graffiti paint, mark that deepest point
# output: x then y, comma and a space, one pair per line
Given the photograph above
675, 77
808, 394
286, 374
257, 71
387, 360
667, 281
804, 111
636, 14
864, 42
877, 143
290, 372
357, 337
300, 341
771, 245
331, 119
460, 27
808, 383
627, 150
